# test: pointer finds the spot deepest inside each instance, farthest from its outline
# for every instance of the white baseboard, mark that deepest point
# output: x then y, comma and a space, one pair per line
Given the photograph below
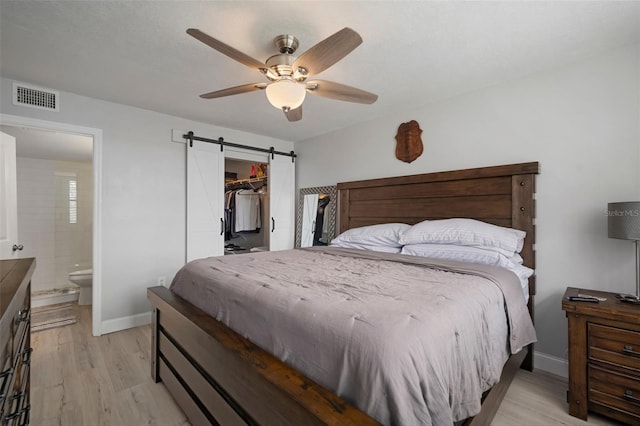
551, 364
123, 323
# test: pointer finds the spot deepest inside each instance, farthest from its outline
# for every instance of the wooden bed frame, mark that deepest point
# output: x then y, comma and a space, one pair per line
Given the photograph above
218, 377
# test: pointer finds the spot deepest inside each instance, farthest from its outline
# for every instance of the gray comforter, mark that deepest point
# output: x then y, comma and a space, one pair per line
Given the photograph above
408, 340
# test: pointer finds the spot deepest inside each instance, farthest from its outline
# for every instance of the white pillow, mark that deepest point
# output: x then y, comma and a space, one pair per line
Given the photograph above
466, 232
516, 258
454, 252
473, 255
372, 247
386, 234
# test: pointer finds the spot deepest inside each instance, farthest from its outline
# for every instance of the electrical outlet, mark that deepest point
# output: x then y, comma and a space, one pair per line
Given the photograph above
162, 281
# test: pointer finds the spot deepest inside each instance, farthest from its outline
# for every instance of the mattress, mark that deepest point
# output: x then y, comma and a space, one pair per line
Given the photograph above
408, 340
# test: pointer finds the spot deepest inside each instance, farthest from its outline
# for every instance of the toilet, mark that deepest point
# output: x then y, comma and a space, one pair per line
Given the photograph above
84, 279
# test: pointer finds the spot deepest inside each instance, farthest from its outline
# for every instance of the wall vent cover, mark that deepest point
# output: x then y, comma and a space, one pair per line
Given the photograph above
35, 97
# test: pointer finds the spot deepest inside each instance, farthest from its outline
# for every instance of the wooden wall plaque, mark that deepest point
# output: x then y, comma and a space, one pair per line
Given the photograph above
408, 142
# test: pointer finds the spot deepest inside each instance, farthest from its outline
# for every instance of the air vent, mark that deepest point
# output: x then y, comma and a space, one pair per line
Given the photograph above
35, 97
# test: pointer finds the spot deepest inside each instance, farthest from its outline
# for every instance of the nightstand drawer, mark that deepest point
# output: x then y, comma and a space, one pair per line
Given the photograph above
614, 346
615, 390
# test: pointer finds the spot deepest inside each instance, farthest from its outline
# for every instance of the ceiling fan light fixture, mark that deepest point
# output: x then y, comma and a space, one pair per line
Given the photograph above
286, 94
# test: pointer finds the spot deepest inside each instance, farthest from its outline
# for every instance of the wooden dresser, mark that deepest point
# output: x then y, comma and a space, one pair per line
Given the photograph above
15, 342
604, 357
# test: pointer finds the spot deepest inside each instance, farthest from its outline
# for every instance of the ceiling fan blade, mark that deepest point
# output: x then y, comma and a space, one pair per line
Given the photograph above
234, 90
226, 49
294, 114
341, 92
328, 51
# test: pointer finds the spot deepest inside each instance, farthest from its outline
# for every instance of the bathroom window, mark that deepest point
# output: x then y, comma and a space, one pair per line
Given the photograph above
73, 201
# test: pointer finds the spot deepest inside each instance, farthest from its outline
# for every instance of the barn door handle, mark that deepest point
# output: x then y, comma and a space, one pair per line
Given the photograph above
221, 226
273, 224
17, 247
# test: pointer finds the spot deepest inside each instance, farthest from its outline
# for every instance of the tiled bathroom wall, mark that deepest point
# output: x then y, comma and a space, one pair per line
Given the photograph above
60, 241
36, 217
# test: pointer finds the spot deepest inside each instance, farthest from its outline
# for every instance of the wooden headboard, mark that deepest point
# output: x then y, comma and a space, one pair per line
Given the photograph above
502, 195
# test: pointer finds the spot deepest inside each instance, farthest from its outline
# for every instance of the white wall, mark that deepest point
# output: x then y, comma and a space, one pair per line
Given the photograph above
580, 122
143, 193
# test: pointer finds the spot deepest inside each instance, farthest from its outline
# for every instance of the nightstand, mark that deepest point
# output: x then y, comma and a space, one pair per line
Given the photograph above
604, 357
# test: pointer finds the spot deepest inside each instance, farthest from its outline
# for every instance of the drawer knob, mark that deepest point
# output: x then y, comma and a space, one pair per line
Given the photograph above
26, 356
22, 315
628, 350
628, 395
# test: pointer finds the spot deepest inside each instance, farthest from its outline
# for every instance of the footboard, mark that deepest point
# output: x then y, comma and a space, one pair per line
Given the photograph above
216, 376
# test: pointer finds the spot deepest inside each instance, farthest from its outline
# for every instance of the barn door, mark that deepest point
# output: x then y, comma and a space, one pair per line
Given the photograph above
205, 200
282, 201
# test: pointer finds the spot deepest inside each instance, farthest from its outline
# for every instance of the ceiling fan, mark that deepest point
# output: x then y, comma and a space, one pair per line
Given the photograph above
288, 74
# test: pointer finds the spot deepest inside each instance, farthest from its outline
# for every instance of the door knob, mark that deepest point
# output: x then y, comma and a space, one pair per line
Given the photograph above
17, 247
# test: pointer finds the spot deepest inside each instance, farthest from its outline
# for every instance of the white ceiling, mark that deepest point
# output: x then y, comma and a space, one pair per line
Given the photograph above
414, 53
48, 145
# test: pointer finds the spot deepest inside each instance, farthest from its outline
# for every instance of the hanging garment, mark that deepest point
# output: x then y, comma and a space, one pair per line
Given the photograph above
317, 233
229, 214
247, 217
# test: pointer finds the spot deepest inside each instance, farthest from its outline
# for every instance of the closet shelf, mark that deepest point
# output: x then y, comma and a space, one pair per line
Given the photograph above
245, 182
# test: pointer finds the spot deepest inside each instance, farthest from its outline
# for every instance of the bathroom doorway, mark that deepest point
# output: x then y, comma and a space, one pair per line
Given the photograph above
55, 209
58, 194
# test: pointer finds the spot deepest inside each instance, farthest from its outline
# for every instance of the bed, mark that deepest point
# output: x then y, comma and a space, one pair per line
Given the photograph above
217, 376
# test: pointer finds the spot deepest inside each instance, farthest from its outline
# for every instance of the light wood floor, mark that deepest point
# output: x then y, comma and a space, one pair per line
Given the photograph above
77, 379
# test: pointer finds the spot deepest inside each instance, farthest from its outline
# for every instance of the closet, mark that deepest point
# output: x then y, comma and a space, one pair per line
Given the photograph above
246, 206
215, 226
